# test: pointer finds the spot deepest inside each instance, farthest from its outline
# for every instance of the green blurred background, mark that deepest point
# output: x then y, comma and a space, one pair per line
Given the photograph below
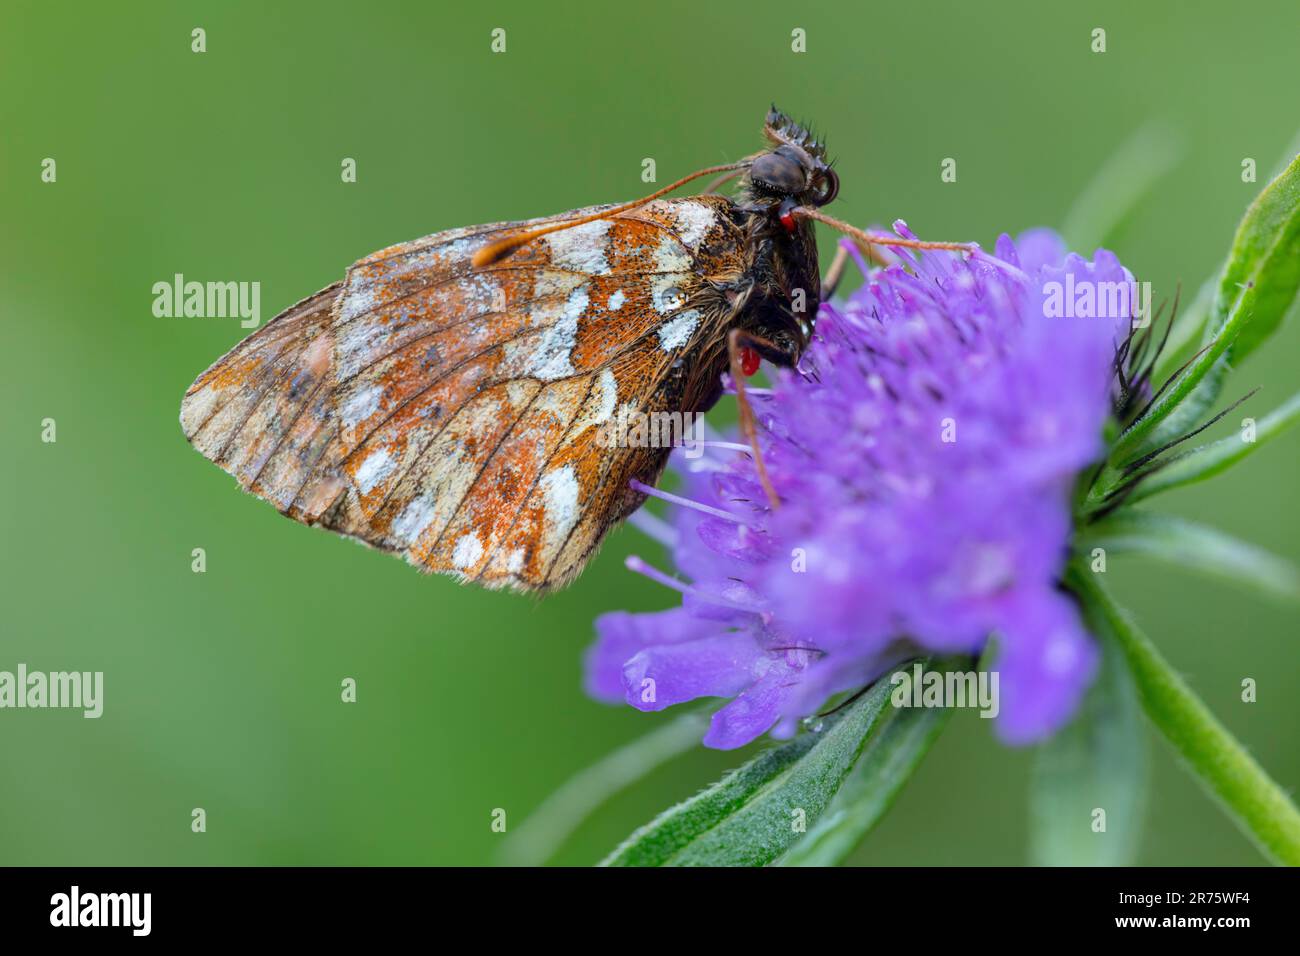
222, 689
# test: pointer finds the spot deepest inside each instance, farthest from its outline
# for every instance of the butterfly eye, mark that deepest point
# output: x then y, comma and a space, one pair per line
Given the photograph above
777, 173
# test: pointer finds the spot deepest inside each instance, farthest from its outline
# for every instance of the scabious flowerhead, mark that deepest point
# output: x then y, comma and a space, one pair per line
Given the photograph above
925, 454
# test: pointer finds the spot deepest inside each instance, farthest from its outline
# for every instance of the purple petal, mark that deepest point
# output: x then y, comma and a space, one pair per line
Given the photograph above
620, 635
665, 674
1037, 248
1045, 664
754, 711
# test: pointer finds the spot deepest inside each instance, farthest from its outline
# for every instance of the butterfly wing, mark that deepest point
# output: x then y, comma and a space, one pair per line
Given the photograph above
455, 414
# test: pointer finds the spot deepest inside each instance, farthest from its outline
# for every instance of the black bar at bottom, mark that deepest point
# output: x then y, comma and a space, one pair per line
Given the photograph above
333, 904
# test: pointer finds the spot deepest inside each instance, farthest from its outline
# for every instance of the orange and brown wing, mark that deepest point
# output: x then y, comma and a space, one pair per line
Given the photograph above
453, 413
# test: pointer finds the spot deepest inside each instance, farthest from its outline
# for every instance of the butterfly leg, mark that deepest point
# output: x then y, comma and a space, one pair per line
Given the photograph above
835, 273
736, 341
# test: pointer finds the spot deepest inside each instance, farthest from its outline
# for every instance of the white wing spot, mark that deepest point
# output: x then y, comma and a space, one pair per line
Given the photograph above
552, 359
665, 295
358, 300
581, 248
693, 221
362, 405
560, 499
675, 334
616, 300
415, 517
670, 257
376, 467
608, 397
469, 549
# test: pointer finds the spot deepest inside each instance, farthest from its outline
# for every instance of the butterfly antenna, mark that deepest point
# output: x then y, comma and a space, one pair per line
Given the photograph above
721, 181
879, 239
497, 250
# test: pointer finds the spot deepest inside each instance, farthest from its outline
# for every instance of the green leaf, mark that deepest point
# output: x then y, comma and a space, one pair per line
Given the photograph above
1255, 291
658, 841
1209, 460
1265, 257
536, 841
1189, 545
894, 753
1250, 797
1096, 762
749, 817
1191, 323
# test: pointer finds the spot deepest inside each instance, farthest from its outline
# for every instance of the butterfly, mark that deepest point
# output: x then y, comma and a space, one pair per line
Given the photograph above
445, 399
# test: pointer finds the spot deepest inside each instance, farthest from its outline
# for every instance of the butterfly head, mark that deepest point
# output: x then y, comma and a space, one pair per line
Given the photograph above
794, 172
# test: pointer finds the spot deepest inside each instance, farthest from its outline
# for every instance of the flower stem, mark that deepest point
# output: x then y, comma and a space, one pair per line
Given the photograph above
1253, 799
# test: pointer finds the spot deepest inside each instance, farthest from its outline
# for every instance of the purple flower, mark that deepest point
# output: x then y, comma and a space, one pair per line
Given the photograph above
925, 455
